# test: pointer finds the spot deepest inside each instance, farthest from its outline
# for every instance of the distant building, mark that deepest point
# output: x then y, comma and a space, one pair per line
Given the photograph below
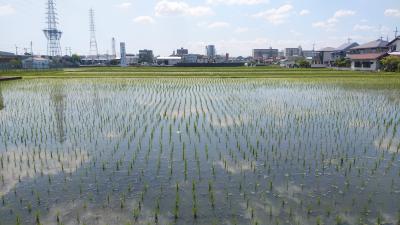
6, 54
124, 63
190, 58
169, 61
325, 55
312, 56
368, 56
341, 51
182, 52
210, 52
132, 59
289, 52
264, 54
146, 56
36, 63
6, 58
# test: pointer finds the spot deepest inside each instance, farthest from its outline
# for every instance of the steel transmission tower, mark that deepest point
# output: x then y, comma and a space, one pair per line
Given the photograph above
94, 52
53, 35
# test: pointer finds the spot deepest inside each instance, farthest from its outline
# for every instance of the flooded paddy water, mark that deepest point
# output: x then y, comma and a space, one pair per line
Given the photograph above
199, 151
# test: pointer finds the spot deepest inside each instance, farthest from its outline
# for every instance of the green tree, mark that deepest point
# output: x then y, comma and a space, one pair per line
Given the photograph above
391, 64
342, 62
302, 63
76, 58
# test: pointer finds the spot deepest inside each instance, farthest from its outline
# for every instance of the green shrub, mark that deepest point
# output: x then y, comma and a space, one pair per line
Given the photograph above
342, 62
391, 64
302, 63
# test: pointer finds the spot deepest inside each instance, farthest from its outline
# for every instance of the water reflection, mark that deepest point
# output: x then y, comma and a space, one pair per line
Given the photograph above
1, 99
57, 100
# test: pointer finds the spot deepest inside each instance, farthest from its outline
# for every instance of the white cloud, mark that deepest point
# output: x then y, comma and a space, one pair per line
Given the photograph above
6, 10
331, 23
124, 5
304, 12
144, 20
276, 16
218, 25
359, 27
392, 12
212, 25
343, 13
236, 2
241, 30
178, 8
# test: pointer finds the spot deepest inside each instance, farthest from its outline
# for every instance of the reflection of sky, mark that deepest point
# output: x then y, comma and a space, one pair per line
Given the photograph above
118, 122
23, 163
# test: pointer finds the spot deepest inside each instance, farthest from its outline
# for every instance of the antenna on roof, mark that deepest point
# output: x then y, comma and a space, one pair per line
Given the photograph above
349, 40
395, 33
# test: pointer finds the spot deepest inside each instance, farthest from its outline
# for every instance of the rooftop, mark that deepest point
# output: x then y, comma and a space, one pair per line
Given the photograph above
397, 38
367, 56
169, 58
327, 49
6, 53
373, 44
346, 46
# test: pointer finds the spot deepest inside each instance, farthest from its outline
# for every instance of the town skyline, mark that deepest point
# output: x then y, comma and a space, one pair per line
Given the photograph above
233, 26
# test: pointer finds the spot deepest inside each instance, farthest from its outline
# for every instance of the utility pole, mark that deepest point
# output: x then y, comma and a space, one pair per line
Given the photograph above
31, 48
113, 51
16, 50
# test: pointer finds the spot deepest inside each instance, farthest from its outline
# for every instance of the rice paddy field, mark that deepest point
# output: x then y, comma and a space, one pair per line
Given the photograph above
275, 147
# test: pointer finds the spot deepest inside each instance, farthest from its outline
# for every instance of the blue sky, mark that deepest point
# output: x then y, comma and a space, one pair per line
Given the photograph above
234, 26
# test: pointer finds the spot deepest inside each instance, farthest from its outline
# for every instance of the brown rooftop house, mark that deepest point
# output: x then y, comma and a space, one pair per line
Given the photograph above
367, 57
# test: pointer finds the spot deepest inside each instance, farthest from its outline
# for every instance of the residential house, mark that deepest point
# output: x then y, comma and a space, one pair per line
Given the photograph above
325, 55
394, 47
367, 56
291, 61
341, 51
